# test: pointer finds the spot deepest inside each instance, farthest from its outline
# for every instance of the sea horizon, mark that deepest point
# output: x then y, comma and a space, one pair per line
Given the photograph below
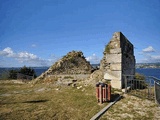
39, 70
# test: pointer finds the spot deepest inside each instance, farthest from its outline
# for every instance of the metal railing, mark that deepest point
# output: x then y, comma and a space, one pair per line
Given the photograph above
157, 90
148, 88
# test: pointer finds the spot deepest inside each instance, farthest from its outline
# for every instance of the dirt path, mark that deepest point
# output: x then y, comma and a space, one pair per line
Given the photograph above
157, 114
131, 107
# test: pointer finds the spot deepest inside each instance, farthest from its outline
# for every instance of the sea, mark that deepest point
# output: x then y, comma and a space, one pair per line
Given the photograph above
145, 71
38, 70
155, 72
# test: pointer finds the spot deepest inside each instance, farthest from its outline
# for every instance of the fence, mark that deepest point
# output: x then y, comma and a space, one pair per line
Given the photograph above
148, 88
157, 90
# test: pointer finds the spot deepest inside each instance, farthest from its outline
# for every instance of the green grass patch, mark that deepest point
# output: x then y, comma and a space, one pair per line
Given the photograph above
68, 77
45, 102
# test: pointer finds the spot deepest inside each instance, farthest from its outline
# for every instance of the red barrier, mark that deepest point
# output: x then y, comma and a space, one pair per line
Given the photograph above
103, 92
97, 94
109, 93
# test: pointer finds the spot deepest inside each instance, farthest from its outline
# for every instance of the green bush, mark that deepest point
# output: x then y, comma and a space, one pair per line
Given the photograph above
4, 75
13, 74
24, 70
139, 82
68, 77
139, 76
27, 71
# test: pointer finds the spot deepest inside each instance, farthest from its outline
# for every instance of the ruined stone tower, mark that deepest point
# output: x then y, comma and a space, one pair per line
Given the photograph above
118, 60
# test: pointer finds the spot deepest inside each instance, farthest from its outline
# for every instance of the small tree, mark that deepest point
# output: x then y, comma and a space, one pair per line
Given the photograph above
13, 74
4, 75
27, 71
24, 70
139, 76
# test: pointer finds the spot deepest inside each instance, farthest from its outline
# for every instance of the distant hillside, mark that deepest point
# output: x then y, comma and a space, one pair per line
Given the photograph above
148, 65
95, 65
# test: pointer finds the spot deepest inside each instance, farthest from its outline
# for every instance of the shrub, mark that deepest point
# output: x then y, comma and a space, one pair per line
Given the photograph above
139, 82
4, 75
68, 77
139, 76
13, 74
24, 70
27, 71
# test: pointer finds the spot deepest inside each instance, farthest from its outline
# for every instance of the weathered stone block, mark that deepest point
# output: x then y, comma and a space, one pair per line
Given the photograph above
116, 74
116, 84
113, 58
115, 51
116, 66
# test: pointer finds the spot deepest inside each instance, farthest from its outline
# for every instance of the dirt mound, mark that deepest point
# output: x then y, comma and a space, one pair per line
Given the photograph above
72, 63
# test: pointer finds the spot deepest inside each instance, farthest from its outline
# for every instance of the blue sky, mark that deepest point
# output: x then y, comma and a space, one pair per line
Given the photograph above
39, 32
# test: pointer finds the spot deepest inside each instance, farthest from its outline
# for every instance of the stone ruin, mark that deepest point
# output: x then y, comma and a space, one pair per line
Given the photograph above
118, 60
73, 64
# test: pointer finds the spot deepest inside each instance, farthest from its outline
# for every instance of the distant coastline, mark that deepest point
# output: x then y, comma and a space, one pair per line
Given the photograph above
145, 70
148, 65
38, 70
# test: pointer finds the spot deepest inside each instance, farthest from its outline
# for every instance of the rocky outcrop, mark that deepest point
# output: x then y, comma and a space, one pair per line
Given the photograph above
72, 63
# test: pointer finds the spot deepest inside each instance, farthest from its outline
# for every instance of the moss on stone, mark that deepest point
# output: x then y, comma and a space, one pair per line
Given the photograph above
107, 48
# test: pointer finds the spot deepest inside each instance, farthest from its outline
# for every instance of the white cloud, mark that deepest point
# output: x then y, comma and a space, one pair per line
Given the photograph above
148, 49
33, 45
27, 55
8, 52
155, 58
149, 55
151, 58
93, 59
26, 58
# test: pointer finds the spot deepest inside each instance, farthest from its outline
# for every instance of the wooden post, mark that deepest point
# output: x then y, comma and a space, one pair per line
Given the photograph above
100, 94
97, 93
109, 92
105, 92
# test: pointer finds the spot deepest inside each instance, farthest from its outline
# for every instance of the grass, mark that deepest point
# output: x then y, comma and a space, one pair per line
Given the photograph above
47, 102
53, 102
132, 108
68, 77
143, 93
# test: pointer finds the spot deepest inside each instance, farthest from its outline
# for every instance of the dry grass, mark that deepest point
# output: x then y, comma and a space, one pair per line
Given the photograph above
50, 102
133, 108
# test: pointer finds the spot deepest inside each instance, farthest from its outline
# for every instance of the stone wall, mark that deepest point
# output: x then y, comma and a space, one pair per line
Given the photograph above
118, 60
